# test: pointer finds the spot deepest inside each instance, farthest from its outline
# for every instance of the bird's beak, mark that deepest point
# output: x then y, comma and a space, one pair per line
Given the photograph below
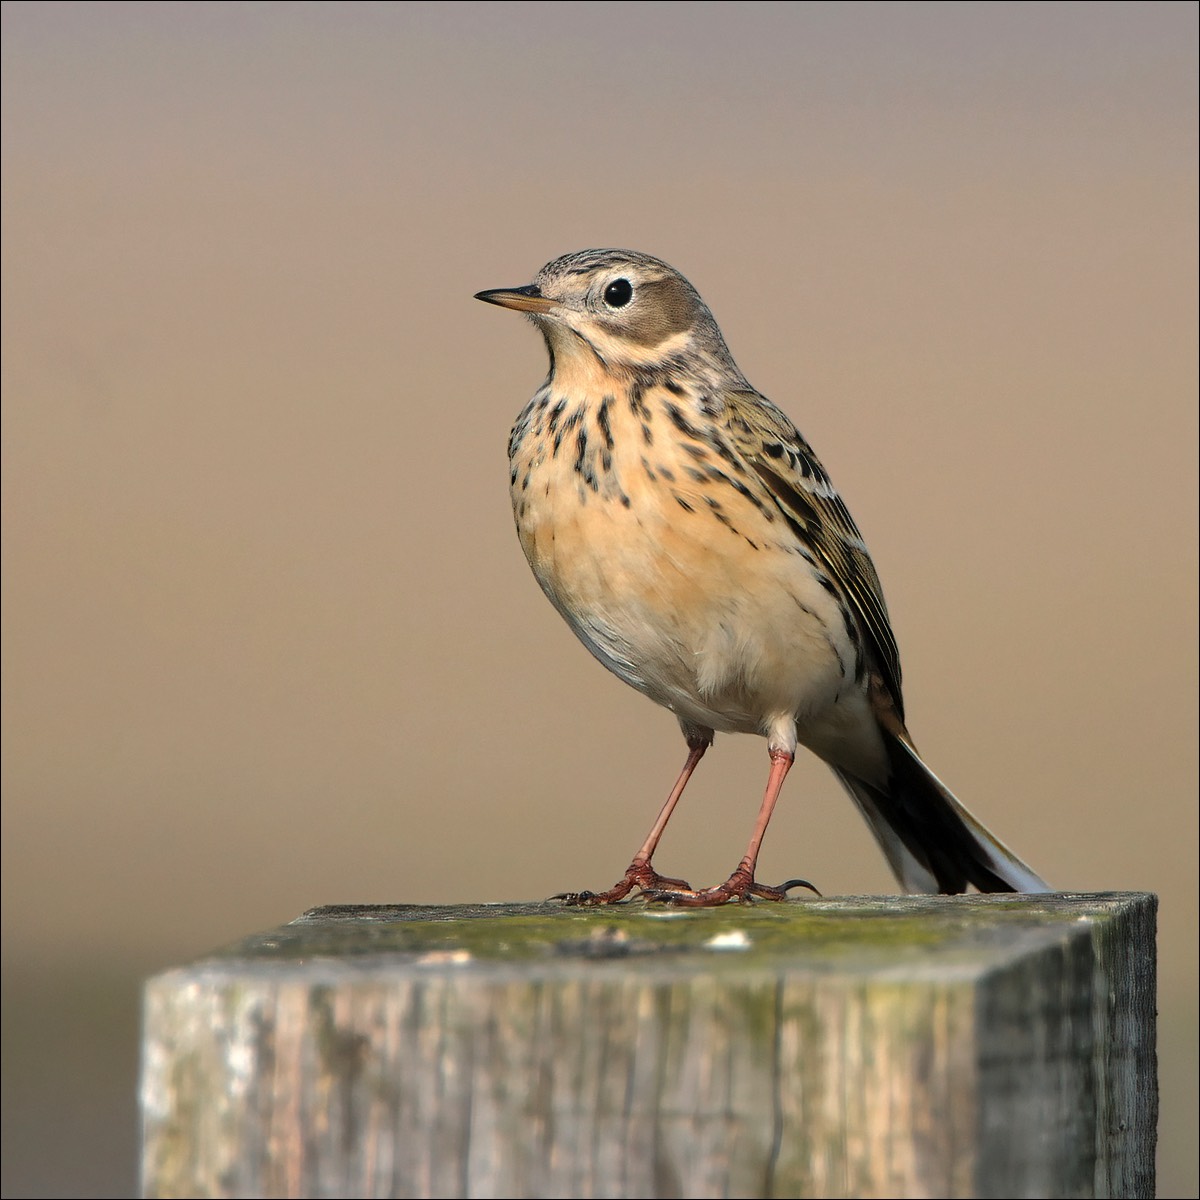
523, 299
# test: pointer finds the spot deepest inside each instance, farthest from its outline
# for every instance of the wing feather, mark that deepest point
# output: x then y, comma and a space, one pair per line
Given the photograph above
798, 485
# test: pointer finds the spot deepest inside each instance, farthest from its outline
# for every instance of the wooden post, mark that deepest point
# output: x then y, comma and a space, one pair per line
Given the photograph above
877, 1046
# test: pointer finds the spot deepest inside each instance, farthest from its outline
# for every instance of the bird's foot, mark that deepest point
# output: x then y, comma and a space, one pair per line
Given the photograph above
640, 876
740, 886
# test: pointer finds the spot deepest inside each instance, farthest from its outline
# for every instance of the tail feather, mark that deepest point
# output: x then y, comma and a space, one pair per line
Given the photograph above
931, 841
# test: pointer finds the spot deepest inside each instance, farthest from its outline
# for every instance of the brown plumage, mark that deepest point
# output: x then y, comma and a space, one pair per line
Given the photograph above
692, 540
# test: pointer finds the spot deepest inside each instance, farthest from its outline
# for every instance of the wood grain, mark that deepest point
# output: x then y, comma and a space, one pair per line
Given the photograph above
872, 1046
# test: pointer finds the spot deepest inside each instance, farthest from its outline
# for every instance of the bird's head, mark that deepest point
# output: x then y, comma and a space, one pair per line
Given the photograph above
623, 312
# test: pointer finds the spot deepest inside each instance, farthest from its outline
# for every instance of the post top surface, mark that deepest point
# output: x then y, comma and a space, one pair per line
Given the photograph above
897, 937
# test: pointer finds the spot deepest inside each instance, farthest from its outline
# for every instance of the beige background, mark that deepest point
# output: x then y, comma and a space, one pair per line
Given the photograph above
269, 640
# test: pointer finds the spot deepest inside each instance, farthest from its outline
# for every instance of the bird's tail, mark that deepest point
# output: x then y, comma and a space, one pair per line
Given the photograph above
931, 841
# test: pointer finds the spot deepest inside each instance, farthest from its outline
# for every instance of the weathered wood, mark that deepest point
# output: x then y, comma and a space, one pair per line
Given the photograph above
898, 1046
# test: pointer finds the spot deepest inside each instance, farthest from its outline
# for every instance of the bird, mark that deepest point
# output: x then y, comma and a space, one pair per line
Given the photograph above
692, 540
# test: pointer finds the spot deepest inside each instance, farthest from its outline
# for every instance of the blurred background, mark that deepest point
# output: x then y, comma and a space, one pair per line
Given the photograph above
269, 639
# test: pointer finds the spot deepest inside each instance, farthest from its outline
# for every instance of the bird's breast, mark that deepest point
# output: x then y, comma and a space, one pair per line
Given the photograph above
669, 560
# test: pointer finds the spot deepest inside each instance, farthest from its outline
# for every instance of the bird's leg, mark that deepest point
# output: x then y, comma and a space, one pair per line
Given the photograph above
741, 885
640, 874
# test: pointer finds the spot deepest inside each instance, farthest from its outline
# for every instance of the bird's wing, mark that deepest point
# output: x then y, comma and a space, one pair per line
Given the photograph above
797, 483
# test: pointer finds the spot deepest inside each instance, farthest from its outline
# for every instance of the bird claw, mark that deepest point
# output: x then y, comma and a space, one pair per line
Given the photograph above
781, 892
572, 898
740, 886
640, 877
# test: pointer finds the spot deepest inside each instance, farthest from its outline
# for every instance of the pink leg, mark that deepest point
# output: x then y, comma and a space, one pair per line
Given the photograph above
741, 885
640, 873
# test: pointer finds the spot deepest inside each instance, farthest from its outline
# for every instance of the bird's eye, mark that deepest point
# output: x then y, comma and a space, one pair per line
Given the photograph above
618, 293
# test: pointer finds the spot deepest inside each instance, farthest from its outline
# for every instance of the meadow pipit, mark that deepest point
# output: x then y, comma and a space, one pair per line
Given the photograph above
694, 543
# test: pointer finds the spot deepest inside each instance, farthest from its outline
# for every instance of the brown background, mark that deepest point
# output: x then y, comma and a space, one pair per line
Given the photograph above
269, 638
